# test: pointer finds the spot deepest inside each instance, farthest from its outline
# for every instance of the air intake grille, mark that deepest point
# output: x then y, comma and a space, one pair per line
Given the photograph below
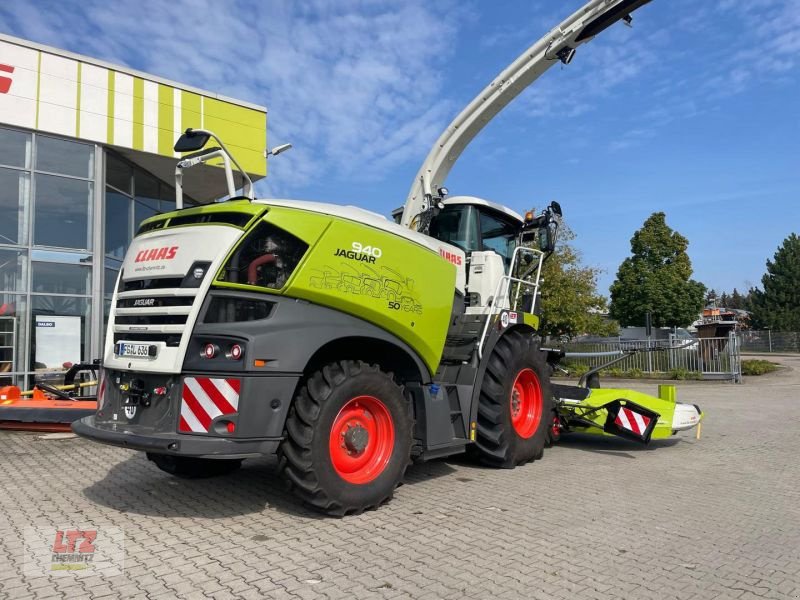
150, 320
135, 285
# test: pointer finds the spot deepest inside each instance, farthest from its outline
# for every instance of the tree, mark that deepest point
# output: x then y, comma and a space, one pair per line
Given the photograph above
778, 305
656, 279
738, 301
570, 302
735, 299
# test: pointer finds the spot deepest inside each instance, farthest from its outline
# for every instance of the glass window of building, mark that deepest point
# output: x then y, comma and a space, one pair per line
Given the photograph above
64, 157
56, 278
46, 187
117, 223
61, 212
13, 270
49, 274
15, 148
13, 278
119, 174
167, 195
61, 335
13, 333
111, 273
15, 189
146, 202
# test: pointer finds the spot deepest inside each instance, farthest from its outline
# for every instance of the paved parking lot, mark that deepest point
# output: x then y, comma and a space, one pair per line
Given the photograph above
715, 518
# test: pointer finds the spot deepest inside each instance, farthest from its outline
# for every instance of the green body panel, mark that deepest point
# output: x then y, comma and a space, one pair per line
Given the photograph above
307, 226
531, 320
394, 283
407, 290
599, 397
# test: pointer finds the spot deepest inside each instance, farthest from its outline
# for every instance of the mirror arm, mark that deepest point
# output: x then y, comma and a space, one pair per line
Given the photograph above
178, 188
196, 159
247, 188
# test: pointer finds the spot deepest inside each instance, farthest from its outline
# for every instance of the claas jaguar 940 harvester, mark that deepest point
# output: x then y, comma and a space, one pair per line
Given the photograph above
344, 342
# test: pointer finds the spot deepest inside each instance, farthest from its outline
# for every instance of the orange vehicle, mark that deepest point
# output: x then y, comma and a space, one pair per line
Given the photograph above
49, 407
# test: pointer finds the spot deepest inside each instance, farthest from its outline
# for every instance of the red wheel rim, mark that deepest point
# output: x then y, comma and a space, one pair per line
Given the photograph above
555, 428
526, 403
362, 439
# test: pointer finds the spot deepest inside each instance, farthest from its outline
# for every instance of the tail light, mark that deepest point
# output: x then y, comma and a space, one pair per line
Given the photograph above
210, 351
235, 352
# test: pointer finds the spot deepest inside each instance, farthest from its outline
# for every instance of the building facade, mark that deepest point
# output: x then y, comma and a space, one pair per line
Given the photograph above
85, 155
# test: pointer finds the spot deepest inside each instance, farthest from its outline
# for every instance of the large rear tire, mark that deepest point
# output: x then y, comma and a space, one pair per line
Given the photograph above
515, 406
348, 437
190, 467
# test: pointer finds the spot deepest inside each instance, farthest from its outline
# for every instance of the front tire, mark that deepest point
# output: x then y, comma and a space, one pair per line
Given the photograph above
515, 406
190, 467
347, 440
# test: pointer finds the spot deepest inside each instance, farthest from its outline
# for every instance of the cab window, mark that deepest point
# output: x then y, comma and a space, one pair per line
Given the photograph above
499, 235
457, 225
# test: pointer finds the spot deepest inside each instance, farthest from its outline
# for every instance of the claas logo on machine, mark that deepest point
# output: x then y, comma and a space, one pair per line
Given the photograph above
450, 256
166, 253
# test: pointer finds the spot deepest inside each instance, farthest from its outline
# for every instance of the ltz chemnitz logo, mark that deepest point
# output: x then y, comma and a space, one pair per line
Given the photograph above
73, 549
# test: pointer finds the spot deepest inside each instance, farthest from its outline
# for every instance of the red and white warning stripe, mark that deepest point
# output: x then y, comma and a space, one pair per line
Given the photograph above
632, 421
206, 398
101, 391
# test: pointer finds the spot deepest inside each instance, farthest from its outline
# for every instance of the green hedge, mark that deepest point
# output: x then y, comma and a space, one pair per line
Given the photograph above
758, 367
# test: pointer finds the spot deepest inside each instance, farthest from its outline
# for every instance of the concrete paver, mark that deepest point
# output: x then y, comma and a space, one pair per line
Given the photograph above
714, 518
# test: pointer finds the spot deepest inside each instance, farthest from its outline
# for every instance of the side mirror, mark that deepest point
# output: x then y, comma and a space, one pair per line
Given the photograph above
556, 208
547, 237
191, 141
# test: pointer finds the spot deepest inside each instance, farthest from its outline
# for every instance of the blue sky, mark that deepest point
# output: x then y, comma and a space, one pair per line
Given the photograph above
694, 112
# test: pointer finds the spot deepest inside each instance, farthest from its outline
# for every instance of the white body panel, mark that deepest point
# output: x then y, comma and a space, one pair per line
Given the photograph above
201, 243
485, 271
685, 417
475, 201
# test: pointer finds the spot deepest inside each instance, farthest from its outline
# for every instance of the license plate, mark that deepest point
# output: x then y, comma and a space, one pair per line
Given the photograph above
130, 350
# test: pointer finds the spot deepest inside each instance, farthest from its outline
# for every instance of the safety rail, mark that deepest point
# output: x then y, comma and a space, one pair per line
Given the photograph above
706, 358
498, 303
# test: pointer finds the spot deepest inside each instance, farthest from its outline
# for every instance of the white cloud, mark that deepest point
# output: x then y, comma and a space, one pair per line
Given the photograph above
355, 85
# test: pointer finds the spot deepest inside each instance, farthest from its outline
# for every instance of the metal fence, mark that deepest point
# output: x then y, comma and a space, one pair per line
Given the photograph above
708, 358
770, 341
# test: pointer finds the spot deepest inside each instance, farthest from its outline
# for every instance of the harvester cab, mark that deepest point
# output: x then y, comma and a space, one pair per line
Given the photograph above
343, 342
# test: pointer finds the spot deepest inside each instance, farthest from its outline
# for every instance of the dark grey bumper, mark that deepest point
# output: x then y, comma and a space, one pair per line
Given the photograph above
174, 443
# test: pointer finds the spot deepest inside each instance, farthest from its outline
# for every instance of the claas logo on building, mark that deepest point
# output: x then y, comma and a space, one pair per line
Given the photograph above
5, 82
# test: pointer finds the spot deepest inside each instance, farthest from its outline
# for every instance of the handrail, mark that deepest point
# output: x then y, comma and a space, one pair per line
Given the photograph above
492, 308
